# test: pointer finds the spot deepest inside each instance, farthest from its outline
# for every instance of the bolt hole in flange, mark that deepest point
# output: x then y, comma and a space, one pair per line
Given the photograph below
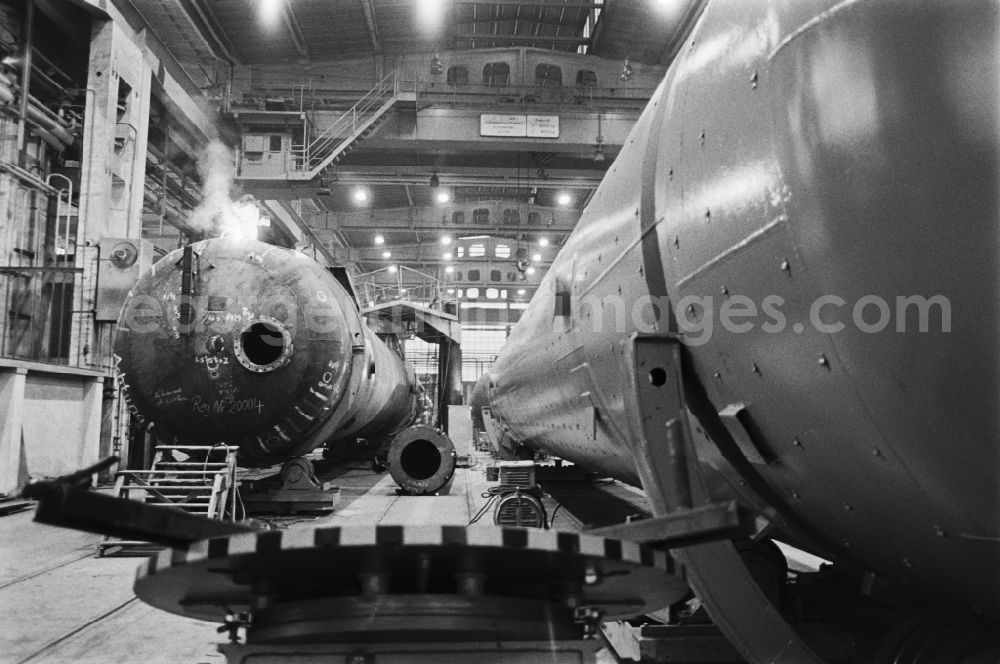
658, 377
264, 345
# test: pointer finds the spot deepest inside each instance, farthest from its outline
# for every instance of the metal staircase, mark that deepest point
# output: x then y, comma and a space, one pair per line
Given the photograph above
356, 122
197, 479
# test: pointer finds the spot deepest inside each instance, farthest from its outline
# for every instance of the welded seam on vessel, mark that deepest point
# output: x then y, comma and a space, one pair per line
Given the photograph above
749, 240
810, 24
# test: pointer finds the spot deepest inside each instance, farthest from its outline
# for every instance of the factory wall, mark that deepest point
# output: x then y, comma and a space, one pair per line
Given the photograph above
72, 174
50, 421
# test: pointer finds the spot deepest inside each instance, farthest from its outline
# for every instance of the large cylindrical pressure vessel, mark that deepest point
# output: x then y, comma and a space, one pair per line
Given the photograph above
246, 343
479, 399
809, 204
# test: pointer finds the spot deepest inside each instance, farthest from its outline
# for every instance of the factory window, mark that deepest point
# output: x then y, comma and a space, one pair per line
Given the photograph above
495, 275
253, 148
458, 217
460, 251
586, 78
458, 75
534, 218
461, 293
512, 276
472, 293
124, 93
502, 251
503, 294
481, 216
547, 75
492, 293
275, 143
458, 276
477, 251
473, 275
511, 217
496, 74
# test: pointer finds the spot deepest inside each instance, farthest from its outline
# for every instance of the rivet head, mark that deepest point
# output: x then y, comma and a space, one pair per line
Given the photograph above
907, 563
823, 362
670, 174
849, 507
796, 442
753, 80
725, 290
754, 368
939, 531
708, 215
786, 267
717, 375
794, 494
876, 452
677, 241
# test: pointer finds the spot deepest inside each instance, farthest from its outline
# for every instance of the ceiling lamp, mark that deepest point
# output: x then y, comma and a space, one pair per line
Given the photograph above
537, 258
270, 10
564, 199
380, 239
445, 240
599, 150
360, 195
387, 254
599, 155
443, 197
543, 242
435, 182
626, 74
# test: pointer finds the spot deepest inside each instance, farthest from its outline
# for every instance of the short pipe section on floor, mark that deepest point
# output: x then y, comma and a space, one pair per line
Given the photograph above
422, 460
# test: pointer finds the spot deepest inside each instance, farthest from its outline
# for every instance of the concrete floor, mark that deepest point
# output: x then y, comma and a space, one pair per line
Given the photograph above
61, 604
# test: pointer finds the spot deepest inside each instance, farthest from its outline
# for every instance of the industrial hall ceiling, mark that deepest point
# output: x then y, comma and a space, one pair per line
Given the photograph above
429, 174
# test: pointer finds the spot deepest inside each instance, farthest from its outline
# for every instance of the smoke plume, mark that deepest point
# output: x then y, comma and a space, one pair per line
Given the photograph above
217, 167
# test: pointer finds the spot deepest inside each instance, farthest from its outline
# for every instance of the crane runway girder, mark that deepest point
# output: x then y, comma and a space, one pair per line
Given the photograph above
449, 583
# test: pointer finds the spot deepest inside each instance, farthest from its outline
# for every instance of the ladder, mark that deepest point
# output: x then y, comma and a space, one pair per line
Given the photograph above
198, 479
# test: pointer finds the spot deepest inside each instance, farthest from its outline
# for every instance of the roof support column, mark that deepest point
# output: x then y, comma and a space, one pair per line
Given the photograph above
113, 171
